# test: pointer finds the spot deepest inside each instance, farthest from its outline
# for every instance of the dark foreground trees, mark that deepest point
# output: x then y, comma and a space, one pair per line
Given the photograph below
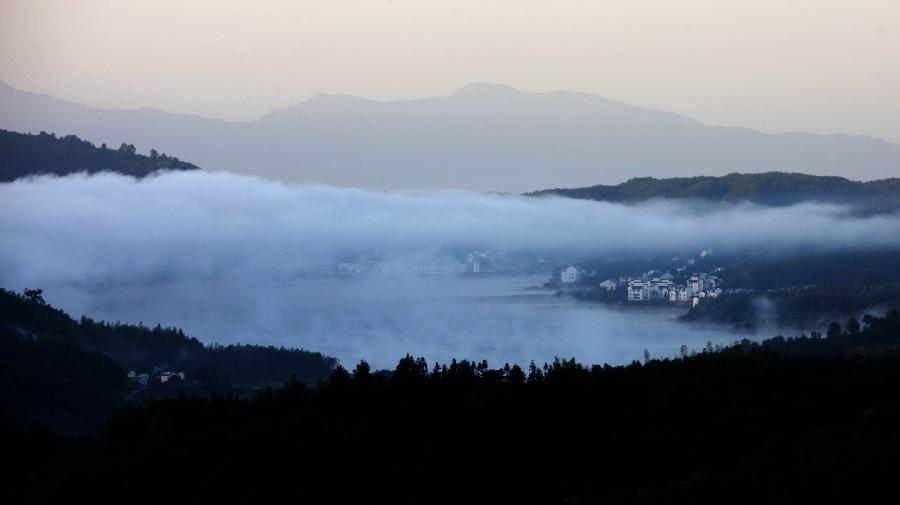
68, 374
747, 424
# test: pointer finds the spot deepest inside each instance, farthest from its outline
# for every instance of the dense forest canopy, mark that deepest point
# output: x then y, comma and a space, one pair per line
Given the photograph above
782, 421
22, 155
769, 188
48, 359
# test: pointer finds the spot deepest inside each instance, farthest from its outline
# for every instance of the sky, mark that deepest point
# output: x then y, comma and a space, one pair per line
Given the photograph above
821, 66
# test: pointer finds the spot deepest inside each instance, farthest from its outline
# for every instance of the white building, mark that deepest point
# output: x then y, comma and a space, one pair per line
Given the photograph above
608, 285
569, 275
652, 289
637, 291
167, 376
696, 283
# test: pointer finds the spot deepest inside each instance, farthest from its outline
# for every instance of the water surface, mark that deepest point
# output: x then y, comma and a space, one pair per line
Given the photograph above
379, 319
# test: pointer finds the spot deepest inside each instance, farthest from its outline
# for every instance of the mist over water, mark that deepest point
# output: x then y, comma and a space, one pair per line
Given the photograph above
239, 259
492, 318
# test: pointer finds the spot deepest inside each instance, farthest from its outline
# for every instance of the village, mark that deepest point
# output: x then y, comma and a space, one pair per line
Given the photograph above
158, 375
469, 263
653, 286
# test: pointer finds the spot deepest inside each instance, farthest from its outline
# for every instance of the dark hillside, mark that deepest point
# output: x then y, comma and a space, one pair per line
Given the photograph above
770, 189
784, 421
22, 155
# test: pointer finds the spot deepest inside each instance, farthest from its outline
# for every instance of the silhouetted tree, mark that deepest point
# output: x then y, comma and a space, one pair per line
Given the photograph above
834, 330
362, 372
35, 296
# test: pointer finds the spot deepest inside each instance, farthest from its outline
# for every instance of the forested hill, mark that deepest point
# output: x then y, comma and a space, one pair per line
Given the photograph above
805, 420
770, 188
68, 374
24, 154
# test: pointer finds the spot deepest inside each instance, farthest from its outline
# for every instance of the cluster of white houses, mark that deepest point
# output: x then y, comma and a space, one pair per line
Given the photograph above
656, 286
663, 288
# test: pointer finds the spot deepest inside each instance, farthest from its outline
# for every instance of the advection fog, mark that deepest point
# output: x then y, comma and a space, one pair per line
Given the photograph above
232, 258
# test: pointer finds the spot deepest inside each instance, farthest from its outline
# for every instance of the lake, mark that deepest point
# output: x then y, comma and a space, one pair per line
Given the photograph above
379, 318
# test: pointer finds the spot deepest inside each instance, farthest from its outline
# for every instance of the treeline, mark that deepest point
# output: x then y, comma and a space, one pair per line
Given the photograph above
753, 423
807, 308
770, 188
872, 336
23, 155
64, 355
862, 267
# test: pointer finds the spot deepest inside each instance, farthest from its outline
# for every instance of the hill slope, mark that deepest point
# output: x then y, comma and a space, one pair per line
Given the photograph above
483, 137
68, 374
22, 155
770, 188
782, 421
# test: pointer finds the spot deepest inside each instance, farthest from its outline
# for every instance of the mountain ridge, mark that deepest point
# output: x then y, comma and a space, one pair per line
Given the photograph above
482, 137
768, 188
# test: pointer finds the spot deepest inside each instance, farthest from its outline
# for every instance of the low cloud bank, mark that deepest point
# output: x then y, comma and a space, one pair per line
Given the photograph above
112, 229
234, 259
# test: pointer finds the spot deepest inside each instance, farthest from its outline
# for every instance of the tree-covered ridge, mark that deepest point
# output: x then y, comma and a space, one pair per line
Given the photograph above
23, 155
783, 421
50, 361
806, 308
136, 347
769, 188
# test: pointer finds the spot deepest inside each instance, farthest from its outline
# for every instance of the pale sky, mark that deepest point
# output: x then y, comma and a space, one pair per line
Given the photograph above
822, 66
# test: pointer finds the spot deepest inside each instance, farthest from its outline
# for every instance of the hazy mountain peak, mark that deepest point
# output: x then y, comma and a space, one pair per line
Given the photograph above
322, 97
484, 136
487, 89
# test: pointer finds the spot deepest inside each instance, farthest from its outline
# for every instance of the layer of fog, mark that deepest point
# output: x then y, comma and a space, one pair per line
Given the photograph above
493, 318
234, 258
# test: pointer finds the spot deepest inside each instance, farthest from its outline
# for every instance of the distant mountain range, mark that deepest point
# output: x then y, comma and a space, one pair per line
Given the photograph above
770, 188
483, 137
22, 155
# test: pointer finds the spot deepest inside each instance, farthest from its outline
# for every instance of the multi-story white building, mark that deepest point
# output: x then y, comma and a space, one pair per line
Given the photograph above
696, 283
568, 275
637, 291
652, 289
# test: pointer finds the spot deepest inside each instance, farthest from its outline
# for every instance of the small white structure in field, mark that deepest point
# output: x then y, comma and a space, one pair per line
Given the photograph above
167, 376
608, 285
